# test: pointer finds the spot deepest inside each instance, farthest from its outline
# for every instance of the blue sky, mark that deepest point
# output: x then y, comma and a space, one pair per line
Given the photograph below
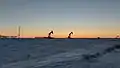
88, 18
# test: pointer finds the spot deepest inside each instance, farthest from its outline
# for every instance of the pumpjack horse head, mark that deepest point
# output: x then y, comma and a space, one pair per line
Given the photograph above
69, 36
49, 34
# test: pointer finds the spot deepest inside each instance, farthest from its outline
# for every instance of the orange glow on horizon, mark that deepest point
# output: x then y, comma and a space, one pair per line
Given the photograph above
60, 33
73, 36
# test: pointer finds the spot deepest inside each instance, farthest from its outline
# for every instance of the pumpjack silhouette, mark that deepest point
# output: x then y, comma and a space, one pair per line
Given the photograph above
69, 36
117, 36
49, 34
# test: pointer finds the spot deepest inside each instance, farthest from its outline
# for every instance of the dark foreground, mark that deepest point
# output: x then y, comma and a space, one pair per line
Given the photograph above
59, 53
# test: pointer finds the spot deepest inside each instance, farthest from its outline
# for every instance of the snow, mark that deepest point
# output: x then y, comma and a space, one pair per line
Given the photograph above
58, 53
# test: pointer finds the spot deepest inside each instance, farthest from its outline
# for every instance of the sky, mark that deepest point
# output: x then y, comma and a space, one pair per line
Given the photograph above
86, 18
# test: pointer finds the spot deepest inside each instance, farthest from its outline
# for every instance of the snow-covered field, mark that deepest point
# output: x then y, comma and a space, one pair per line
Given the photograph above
59, 53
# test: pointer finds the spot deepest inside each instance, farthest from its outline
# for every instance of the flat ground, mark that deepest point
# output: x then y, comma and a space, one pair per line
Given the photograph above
59, 53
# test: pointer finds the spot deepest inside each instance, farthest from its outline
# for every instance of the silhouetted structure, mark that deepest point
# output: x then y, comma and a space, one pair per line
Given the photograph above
69, 36
49, 34
117, 36
18, 36
19, 28
3, 36
98, 37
